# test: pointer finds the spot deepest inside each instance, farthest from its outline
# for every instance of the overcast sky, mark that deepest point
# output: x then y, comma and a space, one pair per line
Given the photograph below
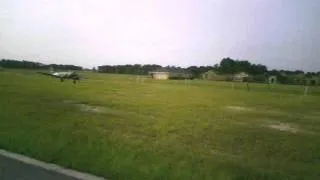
282, 34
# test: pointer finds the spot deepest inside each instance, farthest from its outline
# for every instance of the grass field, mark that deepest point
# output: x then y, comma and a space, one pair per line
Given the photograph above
116, 127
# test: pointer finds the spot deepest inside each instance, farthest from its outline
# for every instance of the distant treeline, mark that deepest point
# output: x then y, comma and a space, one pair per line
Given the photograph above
9, 63
226, 66
129, 69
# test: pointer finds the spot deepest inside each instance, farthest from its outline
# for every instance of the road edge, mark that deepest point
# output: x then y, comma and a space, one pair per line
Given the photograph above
50, 167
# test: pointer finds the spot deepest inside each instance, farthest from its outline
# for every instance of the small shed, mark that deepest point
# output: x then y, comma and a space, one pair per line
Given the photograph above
209, 74
272, 79
161, 74
240, 77
165, 73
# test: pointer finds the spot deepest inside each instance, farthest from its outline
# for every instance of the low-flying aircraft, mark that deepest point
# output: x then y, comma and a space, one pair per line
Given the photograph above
63, 75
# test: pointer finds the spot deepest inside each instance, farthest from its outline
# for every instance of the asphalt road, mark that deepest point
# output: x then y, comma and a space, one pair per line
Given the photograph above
11, 169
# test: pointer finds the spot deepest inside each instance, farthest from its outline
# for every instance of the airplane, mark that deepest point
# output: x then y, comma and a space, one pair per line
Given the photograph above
63, 75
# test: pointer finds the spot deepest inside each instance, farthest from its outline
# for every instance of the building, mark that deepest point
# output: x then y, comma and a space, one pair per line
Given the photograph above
240, 77
209, 75
272, 79
164, 74
159, 75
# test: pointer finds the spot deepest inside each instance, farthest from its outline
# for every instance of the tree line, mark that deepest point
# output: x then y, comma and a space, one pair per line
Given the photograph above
227, 66
9, 63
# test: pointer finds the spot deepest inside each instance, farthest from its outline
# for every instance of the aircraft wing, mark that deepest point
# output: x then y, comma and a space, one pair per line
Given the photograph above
47, 74
63, 75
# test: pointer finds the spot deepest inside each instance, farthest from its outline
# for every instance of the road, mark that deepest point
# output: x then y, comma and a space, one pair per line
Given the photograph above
12, 168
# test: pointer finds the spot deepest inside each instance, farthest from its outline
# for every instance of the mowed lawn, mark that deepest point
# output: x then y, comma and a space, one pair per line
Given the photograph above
120, 128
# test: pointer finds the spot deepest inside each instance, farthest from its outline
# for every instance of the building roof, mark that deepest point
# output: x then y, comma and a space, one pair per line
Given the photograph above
241, 74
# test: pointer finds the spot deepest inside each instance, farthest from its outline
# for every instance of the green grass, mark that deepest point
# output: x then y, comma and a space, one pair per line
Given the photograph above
162, 129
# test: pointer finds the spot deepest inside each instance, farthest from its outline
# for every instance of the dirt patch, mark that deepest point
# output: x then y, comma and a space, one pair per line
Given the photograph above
86, 107
285, 127
238, 108
82, 106
89, 108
